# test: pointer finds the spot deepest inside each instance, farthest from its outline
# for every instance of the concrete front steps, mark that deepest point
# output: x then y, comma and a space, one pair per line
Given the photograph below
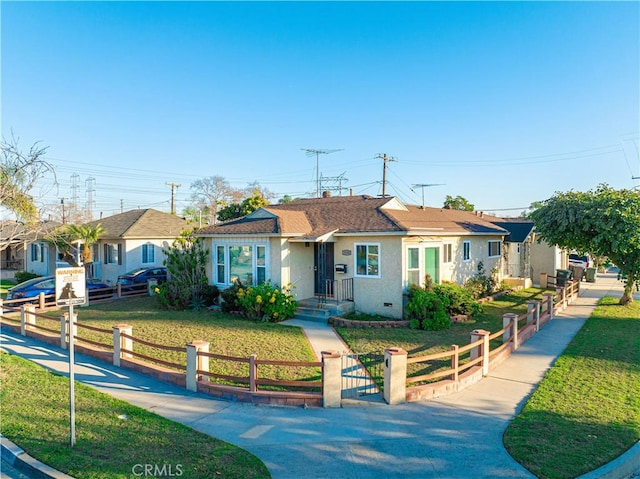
315, 310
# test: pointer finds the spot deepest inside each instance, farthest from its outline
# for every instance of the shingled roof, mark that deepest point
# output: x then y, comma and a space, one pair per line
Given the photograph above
141, 224
315, 217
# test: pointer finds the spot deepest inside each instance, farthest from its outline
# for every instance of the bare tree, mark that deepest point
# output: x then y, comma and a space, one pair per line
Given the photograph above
210, 194
19, 174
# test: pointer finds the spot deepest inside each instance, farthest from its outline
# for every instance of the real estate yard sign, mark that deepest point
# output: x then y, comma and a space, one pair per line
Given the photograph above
71, 288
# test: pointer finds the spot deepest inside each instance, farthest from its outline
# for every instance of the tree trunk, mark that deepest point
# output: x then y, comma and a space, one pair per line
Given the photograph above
627, 295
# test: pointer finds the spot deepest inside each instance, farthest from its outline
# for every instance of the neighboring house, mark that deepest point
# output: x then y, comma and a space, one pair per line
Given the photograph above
517, 269
547, 259
133, 239
357, 248
26, 250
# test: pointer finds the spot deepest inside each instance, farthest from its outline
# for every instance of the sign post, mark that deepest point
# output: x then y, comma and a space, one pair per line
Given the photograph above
71, 289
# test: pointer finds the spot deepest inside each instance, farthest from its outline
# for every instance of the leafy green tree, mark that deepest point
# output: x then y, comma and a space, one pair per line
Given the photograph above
603, 222
458, 203
248, 205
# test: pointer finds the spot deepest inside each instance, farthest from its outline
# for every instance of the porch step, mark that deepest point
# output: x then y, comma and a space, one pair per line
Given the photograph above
312, 310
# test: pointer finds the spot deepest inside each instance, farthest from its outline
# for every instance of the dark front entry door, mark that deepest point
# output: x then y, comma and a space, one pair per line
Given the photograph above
323, 267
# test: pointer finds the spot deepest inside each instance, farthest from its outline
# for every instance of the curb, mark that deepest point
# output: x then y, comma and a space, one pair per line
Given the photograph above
22, 461
620, 468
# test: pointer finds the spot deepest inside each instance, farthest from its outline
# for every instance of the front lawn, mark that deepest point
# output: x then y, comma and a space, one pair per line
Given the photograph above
586, 411
228, 335
114, 439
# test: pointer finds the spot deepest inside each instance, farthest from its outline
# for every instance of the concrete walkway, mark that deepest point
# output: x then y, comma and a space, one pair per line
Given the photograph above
457, 436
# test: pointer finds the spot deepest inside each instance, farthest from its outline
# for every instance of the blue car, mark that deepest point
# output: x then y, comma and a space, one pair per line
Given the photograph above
31, 289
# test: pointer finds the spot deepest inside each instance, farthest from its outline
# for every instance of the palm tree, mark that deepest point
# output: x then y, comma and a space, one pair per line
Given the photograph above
65, 237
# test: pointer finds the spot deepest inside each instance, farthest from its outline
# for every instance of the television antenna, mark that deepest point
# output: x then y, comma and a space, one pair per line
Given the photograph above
317, 152
423, 186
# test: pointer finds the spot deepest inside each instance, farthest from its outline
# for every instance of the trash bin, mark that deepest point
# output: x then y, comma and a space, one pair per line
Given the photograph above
591, 275
152, 284
577, 272
562, 276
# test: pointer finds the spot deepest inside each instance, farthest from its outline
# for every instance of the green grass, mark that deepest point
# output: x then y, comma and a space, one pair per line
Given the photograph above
4, 287
35, 415
227, 334
586, 411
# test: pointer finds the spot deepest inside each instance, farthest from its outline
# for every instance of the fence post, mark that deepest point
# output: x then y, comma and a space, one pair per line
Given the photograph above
41, 300
120, 342
196, 362
454, 362
536, 314
395, 375
253, 373
549, 300
544, 280
331, 378
512, 331
481, 351
119, 290
27, 318
66, 328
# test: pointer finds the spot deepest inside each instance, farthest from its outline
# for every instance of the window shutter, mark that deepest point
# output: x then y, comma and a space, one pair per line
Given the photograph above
119, 253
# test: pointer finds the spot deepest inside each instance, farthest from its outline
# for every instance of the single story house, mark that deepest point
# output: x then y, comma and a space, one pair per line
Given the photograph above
358, 248
517, 269
133, 239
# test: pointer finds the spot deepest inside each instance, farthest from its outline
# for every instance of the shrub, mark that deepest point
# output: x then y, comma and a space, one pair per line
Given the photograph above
22, 276
230, 302
267, 302
188, 287
460, 299
429, 308
481, 284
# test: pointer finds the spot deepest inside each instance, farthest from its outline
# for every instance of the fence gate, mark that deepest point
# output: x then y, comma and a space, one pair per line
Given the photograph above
362, 374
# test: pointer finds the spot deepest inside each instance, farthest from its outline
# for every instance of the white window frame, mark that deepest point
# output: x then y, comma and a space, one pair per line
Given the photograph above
499, 252
447, 253
418, 268
226, 265
112, 253
466, 251
367, 259
148, 253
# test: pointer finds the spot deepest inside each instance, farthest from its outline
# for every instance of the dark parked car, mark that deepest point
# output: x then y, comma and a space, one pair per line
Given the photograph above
31, 289
142, 275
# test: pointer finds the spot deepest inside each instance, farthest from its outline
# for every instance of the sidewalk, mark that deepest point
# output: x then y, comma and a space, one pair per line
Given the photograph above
452, 437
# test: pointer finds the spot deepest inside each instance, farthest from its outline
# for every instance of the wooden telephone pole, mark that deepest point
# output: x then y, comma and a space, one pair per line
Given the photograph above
173, 196
385, 160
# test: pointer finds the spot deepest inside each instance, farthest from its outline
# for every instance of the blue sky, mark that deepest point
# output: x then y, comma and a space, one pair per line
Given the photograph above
503, 103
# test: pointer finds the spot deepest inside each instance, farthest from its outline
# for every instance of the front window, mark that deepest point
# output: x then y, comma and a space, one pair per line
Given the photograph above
37, 252
246, 264
466, 251
494, 248
413, 265
368, 260
148, 253
111, 253
447, 256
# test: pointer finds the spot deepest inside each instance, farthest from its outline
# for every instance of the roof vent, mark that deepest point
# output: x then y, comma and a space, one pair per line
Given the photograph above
326, 194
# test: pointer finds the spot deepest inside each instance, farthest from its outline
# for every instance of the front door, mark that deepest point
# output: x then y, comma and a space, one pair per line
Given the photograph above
432, 263
323, 268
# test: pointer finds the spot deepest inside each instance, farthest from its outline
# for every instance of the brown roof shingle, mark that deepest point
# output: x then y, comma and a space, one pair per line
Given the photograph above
353, 214
143, 223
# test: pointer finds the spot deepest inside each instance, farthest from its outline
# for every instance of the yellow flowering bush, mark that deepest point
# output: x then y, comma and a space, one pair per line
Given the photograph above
267, 302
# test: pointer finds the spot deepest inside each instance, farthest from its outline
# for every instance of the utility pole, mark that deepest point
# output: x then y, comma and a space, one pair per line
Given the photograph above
311, 152
385, 159
173, 196
121, 205
90, 182
62, 204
